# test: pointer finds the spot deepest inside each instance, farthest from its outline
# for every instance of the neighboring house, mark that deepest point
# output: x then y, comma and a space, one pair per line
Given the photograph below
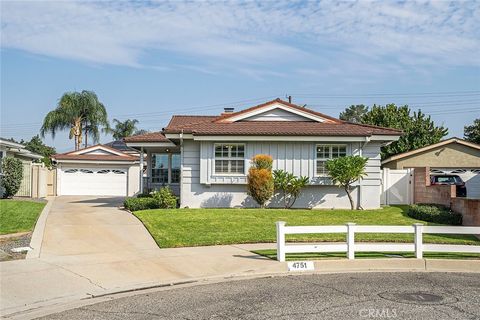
205, 159
451, 156
97, 170
17, 150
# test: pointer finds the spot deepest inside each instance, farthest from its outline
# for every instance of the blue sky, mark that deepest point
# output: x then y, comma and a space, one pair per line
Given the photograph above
149, 60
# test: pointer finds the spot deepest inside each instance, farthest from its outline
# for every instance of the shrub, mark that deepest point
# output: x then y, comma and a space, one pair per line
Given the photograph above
12, 169
289, 185
144, 195
260, 179
165, 198
434, 213
136, 204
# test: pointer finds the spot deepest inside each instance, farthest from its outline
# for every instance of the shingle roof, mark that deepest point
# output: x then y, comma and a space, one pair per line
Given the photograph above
219, 125
147, 137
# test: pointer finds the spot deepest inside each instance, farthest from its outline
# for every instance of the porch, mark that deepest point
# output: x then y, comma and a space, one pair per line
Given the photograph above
163, 168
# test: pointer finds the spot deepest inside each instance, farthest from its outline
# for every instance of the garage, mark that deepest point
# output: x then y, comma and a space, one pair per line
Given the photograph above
97, 171
471, 177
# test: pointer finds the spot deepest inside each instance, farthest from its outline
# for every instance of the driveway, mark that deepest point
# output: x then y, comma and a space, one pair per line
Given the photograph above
92, 247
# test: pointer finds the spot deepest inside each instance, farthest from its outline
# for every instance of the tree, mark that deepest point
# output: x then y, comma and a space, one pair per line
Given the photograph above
123, 129
289, 185
260, 179
76, 111
345, 171
354, 113
12, 174
419, 130
36, 145
472, 132
140, 132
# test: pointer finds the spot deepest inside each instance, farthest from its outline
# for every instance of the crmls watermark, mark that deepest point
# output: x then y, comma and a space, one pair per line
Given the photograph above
378, 313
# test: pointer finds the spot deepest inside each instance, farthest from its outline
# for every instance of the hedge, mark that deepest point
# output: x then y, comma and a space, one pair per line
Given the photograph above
434, 213
135, 204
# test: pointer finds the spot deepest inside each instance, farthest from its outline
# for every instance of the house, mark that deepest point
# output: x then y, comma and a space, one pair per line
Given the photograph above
205, 159
28, 187
451, 156
97, 170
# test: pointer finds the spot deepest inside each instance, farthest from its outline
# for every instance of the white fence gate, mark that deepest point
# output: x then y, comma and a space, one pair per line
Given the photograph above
350, 247
397, 186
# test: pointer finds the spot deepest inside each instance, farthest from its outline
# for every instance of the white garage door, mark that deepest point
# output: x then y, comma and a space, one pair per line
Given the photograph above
93, 181
470, 176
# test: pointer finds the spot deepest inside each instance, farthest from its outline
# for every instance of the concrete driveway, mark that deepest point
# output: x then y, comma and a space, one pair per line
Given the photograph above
92, 247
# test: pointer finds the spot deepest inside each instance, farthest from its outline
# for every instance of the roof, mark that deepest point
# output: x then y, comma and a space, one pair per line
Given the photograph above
98, 152
120, 145
147, 137
232, 124
432, 146
19, 149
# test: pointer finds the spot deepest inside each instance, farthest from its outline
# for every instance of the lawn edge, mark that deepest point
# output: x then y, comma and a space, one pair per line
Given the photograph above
38, 230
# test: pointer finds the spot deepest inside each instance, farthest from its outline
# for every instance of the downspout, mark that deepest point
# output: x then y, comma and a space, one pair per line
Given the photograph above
367, 140
141, 170
181, 167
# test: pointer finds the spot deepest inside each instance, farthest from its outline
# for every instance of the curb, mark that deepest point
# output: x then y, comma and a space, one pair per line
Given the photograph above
38, 231
322, 267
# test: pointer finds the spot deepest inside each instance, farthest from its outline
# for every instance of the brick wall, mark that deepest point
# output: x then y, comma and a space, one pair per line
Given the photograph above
445, 195
470, 210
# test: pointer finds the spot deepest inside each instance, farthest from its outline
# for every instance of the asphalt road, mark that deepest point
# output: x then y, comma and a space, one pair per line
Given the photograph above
338, 296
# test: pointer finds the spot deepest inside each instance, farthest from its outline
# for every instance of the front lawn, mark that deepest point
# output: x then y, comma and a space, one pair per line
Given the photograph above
201, 227
19, 215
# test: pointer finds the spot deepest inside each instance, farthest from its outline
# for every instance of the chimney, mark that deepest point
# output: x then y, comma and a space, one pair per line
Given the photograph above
227, 110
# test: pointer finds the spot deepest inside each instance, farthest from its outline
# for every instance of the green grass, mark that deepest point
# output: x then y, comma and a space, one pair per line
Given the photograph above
200, 227
272, 254
19, 215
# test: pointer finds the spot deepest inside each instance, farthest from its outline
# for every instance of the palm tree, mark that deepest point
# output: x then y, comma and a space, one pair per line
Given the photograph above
76, 111
123, 129
95, 115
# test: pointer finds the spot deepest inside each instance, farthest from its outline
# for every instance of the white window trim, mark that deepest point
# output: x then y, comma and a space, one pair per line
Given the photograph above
220, 174
347, 152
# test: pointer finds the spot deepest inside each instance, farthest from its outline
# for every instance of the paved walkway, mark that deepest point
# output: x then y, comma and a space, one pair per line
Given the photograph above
91, 247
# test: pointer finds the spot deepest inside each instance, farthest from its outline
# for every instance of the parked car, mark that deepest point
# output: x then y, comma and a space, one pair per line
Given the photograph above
450, 179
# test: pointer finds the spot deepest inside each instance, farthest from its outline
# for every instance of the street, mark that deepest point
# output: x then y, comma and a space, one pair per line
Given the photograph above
334, 296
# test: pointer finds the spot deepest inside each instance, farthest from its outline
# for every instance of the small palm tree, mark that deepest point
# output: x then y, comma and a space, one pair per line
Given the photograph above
76, 112
123, 129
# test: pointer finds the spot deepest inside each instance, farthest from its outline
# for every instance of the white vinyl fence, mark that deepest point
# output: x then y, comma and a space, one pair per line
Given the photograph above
350, 247
397, 186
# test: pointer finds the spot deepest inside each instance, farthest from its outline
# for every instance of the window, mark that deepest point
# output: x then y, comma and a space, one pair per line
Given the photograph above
103, 171
229, 158
71, 170
160, 167
175, 171
86, 171
118, 171
326, 152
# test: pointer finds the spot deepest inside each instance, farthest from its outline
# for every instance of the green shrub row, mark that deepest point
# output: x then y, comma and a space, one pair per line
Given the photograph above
161, 199
434, 213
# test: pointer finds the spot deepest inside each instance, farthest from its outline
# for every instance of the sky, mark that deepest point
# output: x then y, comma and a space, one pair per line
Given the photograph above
148, 60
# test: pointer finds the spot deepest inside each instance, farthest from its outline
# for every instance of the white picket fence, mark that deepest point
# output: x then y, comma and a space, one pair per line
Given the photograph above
350, 247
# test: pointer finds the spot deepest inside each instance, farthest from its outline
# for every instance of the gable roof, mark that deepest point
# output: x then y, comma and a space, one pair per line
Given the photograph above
232, 124
277, 103
432, 146
109, 154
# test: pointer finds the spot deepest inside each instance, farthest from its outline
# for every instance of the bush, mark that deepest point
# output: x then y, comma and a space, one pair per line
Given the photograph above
12, 170
290, 186
434, 213
144, 195
165, 198
136, 204
260, 179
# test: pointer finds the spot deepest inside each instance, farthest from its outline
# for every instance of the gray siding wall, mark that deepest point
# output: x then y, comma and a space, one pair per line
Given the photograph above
202, 188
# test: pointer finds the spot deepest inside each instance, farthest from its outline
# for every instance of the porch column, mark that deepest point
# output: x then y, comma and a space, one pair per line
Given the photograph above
141, 170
